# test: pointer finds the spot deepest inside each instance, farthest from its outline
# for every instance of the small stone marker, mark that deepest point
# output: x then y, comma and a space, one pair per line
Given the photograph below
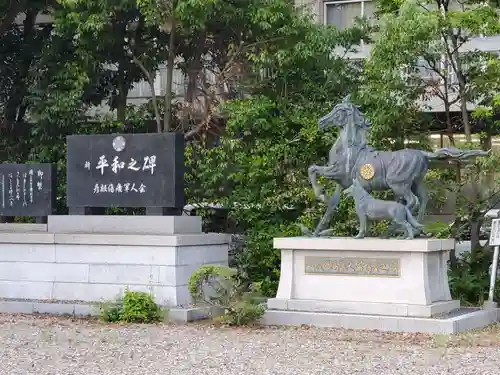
495, 242
125, 170
495, 233
27, 189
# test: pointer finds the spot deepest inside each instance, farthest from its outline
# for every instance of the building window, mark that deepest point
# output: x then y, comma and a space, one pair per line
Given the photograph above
343, 13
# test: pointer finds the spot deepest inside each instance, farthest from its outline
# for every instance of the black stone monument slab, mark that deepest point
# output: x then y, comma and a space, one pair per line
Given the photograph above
27, 190
126, 170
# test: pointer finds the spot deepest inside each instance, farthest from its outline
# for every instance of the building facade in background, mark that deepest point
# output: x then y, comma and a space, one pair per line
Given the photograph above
342, 14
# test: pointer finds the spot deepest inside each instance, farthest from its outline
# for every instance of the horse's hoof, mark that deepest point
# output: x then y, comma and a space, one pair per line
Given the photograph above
325, 233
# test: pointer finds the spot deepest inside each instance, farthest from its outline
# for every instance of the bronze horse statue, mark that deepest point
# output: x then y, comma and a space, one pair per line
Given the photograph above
351, 157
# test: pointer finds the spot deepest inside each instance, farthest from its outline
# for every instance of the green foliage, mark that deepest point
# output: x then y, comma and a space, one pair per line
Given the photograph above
258, 171
132, 307
203, 274
438, 229
219, 286
242, 313
114, 45
390, 87
21, 54
140, 307
406, 64
112, 311
469, 279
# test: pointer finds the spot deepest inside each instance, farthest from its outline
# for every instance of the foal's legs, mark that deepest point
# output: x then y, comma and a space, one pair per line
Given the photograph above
363, 225
404, 192
406, 197
407, 226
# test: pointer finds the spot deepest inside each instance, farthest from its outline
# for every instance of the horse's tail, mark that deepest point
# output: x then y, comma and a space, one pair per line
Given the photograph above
413, 222
454, 154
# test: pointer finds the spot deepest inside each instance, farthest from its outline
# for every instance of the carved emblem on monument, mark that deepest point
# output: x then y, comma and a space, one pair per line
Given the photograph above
367, 171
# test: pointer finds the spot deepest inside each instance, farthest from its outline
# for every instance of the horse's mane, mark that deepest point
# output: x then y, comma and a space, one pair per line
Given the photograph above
355, 132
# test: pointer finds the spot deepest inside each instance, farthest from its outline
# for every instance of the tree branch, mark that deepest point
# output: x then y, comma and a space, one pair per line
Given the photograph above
150, 80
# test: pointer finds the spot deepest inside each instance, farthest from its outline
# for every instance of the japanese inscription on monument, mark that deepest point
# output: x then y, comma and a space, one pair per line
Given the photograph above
128, 170
352, 266
27, 189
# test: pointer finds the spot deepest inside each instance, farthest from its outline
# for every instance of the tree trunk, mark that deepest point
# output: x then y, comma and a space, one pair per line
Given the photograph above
456, 64
121, 105
150, 80
449, 125
15, 108
475, 230
121, 99
486, 142
167, 116
193, 77
465, 113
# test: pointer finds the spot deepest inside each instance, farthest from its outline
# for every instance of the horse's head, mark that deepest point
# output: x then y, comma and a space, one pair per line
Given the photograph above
343, 114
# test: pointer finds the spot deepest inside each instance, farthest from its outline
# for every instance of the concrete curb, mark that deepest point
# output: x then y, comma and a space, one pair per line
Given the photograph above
175, 314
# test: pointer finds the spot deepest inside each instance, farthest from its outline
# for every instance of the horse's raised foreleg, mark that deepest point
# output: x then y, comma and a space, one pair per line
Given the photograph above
313, 172
330, 172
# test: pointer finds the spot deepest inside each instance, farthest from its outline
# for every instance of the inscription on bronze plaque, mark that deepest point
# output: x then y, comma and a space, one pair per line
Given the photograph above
353, 266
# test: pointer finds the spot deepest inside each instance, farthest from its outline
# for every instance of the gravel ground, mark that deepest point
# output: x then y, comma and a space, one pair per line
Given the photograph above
47, 345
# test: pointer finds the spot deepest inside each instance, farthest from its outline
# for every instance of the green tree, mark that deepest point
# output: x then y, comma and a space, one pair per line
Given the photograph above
424, 50
259, 170
388, 95
20, 52
113, 42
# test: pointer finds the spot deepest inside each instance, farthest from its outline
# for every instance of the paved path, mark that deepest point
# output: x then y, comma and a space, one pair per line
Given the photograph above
42, 345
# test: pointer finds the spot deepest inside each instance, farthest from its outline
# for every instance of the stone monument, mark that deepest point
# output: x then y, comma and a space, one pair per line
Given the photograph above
126, 170
28, 190
371, 283
77, 260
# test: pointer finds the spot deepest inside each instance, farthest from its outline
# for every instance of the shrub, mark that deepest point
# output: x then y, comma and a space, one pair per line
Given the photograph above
469, 278
132, 307
111, 312
220, 287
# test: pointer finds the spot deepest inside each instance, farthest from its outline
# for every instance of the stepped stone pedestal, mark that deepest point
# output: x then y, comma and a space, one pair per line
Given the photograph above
392, 285
71, 262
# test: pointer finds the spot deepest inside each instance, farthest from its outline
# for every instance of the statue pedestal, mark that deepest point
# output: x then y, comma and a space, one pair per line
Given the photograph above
365, 283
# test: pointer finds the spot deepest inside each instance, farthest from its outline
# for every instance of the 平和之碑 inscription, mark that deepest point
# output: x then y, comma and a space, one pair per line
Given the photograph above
129, 170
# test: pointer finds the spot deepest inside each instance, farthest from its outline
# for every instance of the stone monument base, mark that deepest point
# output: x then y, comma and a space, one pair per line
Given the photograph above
464, 320
73, 263
391, 285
